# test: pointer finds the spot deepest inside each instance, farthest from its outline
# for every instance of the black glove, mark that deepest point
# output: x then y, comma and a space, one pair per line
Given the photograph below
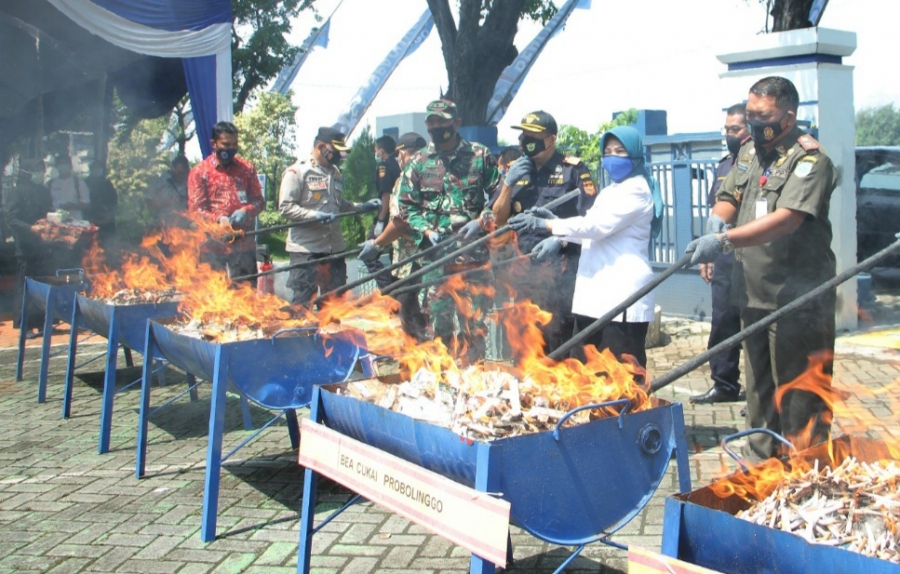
705, 249
371, 205
519, 169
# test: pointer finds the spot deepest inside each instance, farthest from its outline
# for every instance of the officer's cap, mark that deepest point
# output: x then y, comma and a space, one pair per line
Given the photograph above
442, 109
411, 141
537, 122
334, 137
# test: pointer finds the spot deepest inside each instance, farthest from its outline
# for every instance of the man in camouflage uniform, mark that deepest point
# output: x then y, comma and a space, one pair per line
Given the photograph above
396, 234
778, 197
443, 188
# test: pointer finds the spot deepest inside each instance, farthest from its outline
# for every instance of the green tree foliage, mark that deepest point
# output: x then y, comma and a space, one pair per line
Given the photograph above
578, 142
260, 48
479, 45
267, 137
134, 160
878, 126
359, 185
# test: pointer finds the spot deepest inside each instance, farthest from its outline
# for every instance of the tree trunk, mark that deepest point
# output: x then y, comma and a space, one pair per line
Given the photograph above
475, 55
790, 14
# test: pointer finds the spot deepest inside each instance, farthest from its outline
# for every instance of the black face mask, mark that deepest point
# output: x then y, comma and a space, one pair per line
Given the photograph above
442, 134
764, 133
532, 146
226, 156
734, 144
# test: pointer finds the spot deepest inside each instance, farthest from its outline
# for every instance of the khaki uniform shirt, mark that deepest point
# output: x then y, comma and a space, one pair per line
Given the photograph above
797, 175
306, 188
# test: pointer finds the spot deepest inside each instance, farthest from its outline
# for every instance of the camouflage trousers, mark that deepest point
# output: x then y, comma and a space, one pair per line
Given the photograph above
457, 315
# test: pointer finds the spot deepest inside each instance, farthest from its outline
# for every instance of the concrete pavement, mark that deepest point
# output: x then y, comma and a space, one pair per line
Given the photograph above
65, 508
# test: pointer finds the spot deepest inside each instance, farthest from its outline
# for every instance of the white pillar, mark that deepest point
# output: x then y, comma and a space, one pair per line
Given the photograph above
812, 59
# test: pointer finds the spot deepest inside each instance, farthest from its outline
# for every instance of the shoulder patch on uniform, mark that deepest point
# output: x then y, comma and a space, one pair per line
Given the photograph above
809, 159
586, 175
589, 187
571, 160
803, 168
808, 142
382, 170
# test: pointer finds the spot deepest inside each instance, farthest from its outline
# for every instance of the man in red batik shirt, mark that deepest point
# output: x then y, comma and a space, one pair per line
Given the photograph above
224, 188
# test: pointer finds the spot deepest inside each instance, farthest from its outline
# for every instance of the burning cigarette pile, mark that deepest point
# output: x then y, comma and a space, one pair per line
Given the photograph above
474, 403
855, 506
133, 296
227, 331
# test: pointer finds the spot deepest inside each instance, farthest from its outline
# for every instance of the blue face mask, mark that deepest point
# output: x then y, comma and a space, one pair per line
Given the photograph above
618, 167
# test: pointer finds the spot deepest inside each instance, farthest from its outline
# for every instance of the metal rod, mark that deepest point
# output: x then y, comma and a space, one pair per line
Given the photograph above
231, 236
607, 318
334, 257
443, 278
470, 246
389, 268
763, 323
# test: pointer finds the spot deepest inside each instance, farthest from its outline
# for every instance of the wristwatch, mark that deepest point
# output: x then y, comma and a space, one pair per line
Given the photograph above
727, 245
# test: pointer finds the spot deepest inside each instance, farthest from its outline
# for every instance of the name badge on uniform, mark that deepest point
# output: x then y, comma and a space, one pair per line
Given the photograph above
242, 197
762, 207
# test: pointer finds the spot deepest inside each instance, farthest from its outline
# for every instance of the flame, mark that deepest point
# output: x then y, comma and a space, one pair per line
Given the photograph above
849, 405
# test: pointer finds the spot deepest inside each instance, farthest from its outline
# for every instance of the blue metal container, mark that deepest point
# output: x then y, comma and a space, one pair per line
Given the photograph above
572, 486
277, 373
125, 324
55, 295
700, 528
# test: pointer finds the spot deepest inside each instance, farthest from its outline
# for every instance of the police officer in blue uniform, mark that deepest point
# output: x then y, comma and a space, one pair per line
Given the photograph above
726, 315
540, 176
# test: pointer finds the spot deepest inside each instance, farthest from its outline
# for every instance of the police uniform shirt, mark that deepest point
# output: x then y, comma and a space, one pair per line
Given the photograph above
307, 188
796, 175
386, 174
560, 175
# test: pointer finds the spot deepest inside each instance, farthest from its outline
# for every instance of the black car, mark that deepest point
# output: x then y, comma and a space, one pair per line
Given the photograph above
877, 200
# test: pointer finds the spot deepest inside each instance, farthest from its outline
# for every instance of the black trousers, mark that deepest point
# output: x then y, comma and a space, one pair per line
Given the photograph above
308, 280
777, 356
726, 321
412, 318
620, 338
550, 286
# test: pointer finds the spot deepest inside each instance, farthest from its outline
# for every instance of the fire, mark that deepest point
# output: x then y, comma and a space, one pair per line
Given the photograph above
848, 405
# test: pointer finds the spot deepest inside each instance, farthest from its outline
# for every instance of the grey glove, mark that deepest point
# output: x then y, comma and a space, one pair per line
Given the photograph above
371, 205
716, 224
323, 217
224, 220
705, 249
519, 169
528, 222
471, 230
238, 217
542, 213
370, 252
434, 237
548, 248
378, 229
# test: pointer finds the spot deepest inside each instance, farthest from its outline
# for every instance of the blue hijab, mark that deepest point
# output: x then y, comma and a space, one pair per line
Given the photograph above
631, 140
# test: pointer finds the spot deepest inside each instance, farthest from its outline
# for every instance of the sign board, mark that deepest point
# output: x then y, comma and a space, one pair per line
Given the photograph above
643, 561
471, 519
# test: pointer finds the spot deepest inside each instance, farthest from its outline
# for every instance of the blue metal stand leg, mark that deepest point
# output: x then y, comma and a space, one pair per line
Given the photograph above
45, 347
214, 446
146, 378
109, 383
70, 364
192, 382
308, 506
290, 417
681, 448
487, 479
23, 329
129, 359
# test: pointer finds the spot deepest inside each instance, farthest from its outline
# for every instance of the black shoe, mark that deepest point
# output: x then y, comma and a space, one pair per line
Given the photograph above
742, 396
714, 395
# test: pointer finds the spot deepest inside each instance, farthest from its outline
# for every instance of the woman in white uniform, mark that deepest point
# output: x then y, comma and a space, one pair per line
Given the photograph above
614, 234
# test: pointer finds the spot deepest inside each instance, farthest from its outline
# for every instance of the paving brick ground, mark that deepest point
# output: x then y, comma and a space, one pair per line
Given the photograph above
65, 508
